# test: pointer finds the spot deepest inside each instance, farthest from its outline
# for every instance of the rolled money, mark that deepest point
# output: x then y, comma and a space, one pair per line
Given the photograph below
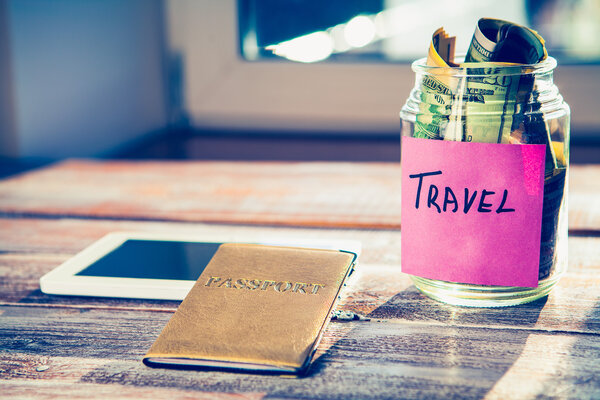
514, 42
450, 101
503, 41
518, 44
498, 91
481, 47
436, 93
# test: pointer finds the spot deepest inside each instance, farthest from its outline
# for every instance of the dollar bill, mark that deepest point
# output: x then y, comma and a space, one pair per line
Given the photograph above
482, 48
490, 104
521, 119
482, 106
436, 91
498, 90
502, 41
475, 108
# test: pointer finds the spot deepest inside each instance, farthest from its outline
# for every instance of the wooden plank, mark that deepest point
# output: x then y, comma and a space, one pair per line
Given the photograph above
311, 194
30, 248
366, 360
378, 288
66, 236
584, 198
382, 293
45, 389
296, 194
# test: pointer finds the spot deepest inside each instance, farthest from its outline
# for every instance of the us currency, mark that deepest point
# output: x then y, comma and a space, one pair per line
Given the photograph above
494, 41
502, 41
480, 107
437, 94
487, 102
520, 119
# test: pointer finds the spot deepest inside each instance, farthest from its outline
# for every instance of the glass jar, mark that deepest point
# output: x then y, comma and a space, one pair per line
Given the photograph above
453, 104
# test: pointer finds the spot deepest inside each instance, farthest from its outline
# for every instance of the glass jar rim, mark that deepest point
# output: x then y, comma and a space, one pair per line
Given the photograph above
473, 69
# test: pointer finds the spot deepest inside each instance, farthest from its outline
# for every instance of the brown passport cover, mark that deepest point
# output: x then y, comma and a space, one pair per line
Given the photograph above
255, 307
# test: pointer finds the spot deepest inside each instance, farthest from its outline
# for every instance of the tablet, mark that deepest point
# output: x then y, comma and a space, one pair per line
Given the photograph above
151, 266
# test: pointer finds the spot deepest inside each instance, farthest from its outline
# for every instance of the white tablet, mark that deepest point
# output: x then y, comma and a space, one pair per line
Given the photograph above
150, 266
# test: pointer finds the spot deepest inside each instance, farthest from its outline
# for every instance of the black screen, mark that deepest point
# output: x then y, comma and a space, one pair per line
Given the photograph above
152, 259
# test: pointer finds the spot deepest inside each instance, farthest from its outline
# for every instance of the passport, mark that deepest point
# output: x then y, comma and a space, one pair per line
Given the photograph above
255, 308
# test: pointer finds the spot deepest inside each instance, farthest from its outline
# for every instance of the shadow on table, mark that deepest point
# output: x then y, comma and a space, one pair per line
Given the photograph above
412, 347
411, 305
423, 348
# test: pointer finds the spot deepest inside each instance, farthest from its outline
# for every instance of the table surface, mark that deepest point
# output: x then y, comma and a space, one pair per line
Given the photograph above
409, 347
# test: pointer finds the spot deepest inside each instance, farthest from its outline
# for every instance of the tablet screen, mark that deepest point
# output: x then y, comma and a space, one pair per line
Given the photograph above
154, 259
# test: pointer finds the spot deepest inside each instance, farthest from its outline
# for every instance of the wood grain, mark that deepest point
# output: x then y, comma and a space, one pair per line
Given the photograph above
66, 236
43, 389
378, 289
360, 195
310, 194
584, 198
361, 360
411, 347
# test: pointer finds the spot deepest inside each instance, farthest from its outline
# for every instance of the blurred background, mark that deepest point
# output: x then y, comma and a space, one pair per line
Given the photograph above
249, 79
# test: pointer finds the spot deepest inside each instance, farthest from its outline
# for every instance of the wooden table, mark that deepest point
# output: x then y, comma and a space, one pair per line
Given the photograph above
412, 347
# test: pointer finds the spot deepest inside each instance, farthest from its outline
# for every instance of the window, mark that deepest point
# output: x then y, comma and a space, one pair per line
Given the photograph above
377, 30
366, 91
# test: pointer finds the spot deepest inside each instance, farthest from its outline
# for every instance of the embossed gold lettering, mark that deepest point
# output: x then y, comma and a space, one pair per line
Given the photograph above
227, 283
212, 279
266, 284
316, 287
299, 287
241, 283
278, 286
254, 284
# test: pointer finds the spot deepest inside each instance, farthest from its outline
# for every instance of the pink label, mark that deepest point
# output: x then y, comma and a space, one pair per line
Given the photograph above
472, 212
